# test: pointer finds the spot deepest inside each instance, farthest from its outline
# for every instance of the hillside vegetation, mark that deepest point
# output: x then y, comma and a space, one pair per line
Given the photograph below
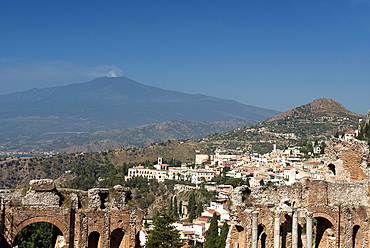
16, 172
317, 120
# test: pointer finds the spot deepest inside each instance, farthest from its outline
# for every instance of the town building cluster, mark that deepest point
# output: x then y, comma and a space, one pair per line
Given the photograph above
278, 167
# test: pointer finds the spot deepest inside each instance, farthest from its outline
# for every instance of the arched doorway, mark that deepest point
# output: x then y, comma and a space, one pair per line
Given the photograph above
356, 236
331, 168
324, 233
262, 236
41, 235
286, 232
93, 241
116, 238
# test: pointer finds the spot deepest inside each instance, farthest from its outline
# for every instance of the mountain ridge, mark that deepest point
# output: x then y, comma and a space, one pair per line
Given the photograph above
108, 104
258, 138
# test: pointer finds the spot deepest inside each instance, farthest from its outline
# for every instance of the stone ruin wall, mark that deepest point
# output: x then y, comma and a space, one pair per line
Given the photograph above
343, 205
349, 159
340, 206
78, 214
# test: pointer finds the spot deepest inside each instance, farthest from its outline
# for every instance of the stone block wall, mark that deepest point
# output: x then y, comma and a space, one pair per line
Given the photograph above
98, 216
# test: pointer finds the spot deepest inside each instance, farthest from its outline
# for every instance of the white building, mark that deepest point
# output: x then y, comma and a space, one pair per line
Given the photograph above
200, 158
141, 171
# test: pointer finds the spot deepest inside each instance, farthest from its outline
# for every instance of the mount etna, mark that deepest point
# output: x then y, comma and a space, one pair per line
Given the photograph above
33, 118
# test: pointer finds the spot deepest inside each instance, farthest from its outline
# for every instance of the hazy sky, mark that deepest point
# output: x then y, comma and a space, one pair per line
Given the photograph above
272, 54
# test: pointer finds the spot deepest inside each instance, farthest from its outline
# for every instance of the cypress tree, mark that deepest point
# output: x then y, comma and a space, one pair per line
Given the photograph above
199, 210
191, 207
221, 239
212, 233
175, 212
180, 209
171, 206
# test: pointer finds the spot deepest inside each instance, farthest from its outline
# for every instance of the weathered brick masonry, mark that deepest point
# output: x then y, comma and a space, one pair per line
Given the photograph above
96, 218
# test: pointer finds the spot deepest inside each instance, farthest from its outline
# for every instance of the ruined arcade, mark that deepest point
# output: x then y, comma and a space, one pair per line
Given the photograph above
94, 218
310, 213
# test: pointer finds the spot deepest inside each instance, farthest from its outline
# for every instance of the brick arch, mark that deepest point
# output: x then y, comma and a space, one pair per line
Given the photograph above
328, 217
324, 223
51, 220
117, 237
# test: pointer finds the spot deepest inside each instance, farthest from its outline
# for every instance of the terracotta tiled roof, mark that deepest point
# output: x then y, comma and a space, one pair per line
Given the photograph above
212, 211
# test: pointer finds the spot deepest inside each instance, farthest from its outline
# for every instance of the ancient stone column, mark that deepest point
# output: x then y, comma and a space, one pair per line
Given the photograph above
254, 229
295, 228
277, 230
309, 230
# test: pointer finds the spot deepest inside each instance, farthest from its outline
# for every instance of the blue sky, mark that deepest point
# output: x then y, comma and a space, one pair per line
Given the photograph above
272, 54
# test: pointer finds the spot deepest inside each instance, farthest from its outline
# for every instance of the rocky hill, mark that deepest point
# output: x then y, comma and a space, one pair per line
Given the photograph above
319, 109
317, 120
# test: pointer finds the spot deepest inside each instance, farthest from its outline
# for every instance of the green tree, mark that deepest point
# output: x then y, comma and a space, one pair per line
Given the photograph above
221, 239
212, 233
191, 207
235, 182
171, 205
336, 135
219, 180
37, 235
175, 211
322, 147
309, 147
199, 210
269, 183
247, 182
180, 209
164, 235
262, 183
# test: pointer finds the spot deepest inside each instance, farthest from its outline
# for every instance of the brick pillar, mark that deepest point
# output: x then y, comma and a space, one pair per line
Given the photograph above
295, 228
106, 231
83, 230
309, 230
255, 229
277, 230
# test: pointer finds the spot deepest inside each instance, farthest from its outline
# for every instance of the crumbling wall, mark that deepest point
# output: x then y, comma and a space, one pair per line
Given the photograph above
340, 204
41, 193
343, 205
76, 213
348, 158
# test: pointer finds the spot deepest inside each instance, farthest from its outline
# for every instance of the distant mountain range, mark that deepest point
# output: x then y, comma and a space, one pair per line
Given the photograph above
104, 104
317, 120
